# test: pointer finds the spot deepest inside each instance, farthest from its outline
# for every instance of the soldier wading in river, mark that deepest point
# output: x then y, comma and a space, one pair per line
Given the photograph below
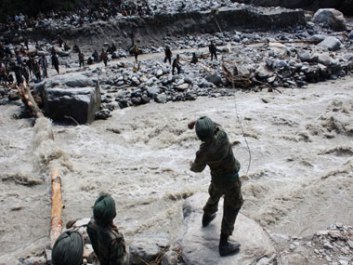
216, 152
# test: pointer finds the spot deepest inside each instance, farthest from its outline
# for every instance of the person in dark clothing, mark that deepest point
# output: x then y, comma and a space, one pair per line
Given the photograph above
89, 61
213, 50
19, 59
18, 69
25, 73
26, 43
135, 51
60, 41
81, 59
29, 65
2, 51
10, 79
66, 47
168, 55
55, 62
181, 7
176, 64
95, 56
107, 242
194, 58
36, 71
8, 52
104, 57
53, 51
216, 153
3, 73
76, 48
44, 65
112, 48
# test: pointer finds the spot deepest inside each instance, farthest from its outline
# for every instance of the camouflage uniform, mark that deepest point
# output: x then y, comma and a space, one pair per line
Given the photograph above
218, 155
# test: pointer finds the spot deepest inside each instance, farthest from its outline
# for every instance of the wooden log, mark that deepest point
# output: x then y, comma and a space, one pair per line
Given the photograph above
28, 100
56, 222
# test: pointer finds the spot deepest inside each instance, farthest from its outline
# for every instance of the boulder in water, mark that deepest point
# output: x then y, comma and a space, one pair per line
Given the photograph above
78, 104
200, 244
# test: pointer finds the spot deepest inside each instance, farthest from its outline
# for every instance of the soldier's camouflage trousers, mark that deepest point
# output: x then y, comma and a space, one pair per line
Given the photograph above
233, 200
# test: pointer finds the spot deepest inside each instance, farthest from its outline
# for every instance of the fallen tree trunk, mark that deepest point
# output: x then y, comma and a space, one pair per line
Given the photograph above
56, 205
56, 222
28, 100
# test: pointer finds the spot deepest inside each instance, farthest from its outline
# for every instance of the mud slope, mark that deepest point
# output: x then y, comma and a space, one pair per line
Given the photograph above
154, 29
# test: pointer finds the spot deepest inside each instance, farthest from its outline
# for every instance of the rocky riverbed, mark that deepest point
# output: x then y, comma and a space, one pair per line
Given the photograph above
292, 137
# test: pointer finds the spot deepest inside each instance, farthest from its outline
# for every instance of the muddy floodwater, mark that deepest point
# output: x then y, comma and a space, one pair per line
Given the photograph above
299, 180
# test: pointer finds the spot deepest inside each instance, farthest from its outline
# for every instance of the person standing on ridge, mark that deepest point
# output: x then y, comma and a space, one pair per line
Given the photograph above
176, 64
213, 50
216, 152
55, 60
168, 55
104, 57
81, 59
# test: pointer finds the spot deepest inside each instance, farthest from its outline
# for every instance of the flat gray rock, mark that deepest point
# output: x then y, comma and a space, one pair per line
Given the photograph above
200, 245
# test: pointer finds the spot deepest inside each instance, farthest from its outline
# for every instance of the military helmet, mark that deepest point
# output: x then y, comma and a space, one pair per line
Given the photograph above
204, 128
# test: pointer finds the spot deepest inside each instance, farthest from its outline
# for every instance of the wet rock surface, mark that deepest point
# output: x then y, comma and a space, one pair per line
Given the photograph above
200, 244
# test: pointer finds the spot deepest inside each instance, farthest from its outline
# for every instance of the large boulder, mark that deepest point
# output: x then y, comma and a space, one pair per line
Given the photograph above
331, 43
78, 104
70, 80
200, 245
331, 18
214, 79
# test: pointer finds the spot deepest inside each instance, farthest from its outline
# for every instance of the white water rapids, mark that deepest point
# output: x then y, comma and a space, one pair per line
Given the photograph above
300, 179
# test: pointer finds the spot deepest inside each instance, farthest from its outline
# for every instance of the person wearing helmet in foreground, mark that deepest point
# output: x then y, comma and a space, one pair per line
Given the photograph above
107, 242
68, 249
216, 152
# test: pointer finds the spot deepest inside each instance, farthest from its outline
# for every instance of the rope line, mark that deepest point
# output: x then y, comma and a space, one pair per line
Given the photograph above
242, 128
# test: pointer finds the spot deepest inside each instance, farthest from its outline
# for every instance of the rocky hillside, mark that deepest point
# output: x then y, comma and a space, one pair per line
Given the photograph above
33, 8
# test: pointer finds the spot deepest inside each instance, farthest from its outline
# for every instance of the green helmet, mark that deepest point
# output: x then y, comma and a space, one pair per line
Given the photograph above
68, 249
204, 128
104, 209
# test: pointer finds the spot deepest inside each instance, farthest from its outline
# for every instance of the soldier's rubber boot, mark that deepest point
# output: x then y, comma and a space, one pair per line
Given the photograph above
226, 248
207, 218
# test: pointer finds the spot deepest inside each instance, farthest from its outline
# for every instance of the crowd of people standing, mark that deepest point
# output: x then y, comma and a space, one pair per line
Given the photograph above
19, 62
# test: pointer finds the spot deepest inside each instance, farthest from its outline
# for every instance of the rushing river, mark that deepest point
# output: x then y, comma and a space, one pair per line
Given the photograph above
299, 179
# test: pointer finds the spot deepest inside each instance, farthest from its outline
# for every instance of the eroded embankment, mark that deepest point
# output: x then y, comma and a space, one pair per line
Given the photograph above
149, 30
